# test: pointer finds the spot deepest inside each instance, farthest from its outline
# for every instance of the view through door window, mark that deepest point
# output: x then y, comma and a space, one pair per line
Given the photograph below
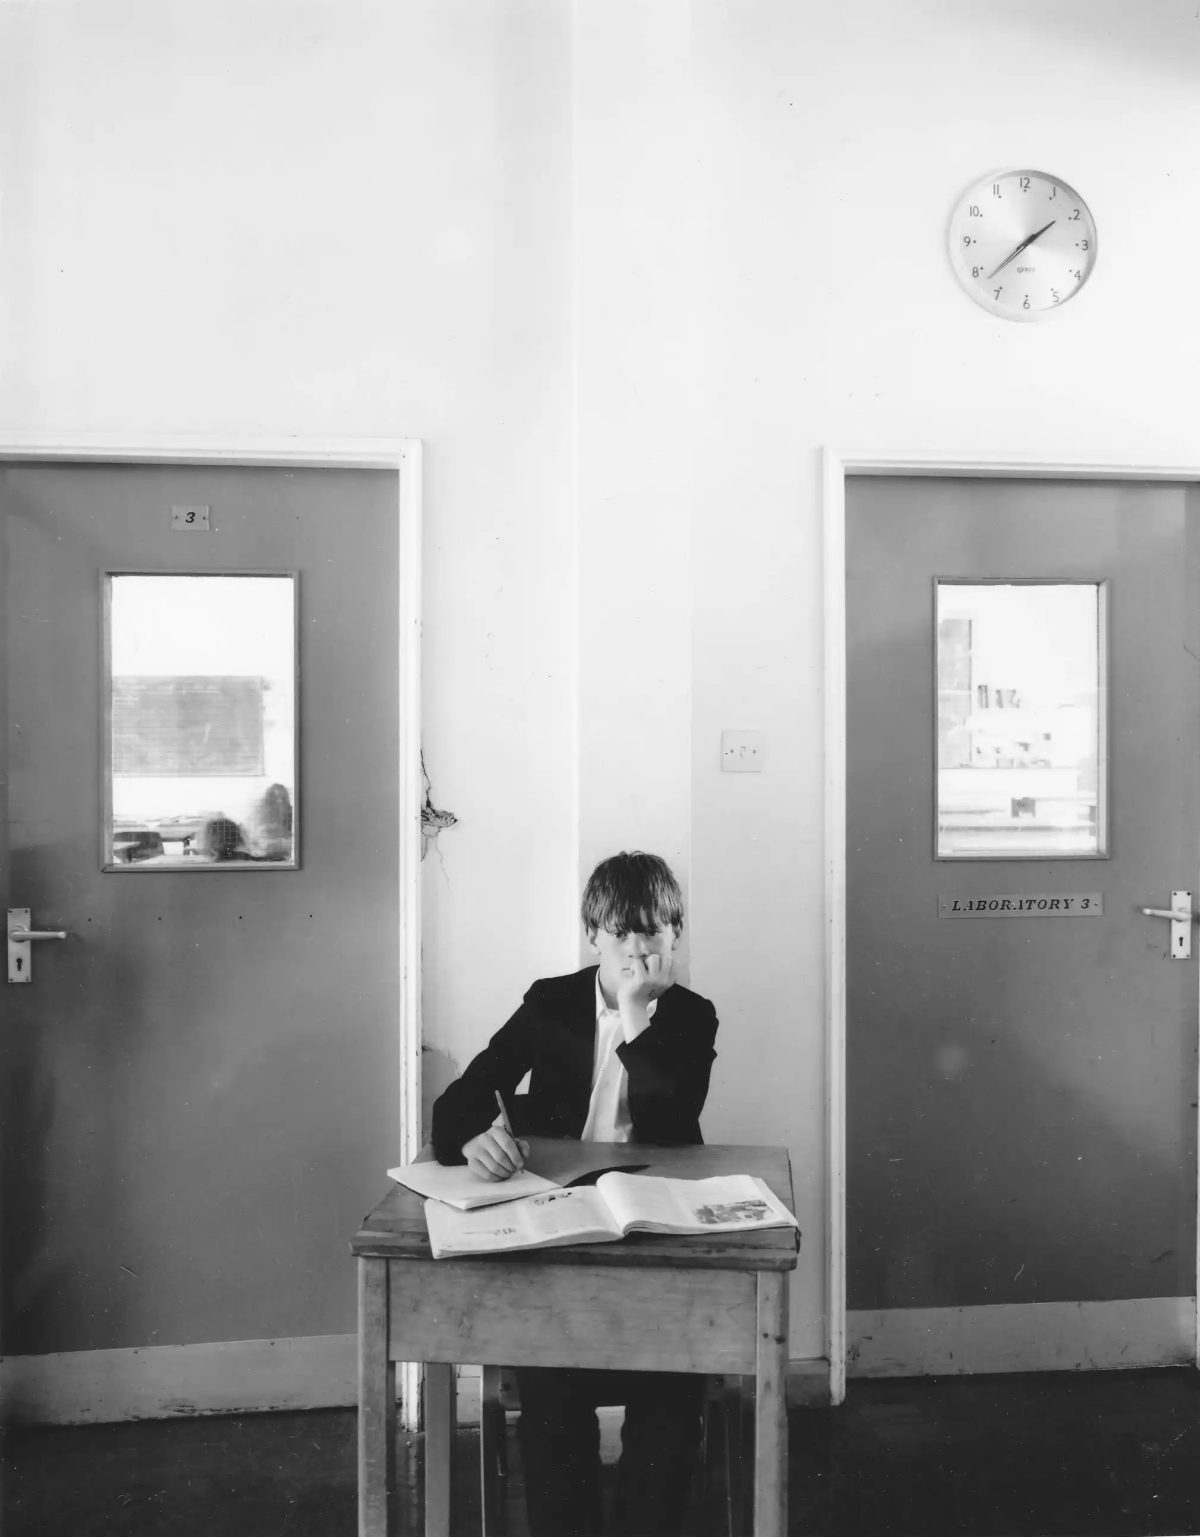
1020, 719
201, 750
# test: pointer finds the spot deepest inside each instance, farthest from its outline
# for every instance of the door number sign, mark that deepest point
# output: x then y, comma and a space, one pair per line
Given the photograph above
193, 520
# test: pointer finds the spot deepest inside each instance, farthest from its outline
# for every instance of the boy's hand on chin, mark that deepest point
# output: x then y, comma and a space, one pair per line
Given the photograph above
651, 976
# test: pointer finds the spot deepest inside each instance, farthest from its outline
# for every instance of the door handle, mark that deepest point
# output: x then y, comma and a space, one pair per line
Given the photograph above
20, 957
1181, 917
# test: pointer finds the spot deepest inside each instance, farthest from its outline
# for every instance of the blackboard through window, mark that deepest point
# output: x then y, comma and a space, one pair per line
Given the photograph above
199, 726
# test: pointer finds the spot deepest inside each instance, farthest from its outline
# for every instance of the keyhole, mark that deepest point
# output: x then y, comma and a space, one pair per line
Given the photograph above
20, 962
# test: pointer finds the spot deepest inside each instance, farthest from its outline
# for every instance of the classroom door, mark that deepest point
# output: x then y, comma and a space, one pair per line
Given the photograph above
1023, 781
200, 1082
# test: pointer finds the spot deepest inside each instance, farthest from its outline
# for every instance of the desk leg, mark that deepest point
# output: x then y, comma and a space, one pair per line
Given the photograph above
376, 1402
770, 1407
439, 1446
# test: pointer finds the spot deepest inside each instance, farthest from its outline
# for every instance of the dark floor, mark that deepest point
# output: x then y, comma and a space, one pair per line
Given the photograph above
1085, 1454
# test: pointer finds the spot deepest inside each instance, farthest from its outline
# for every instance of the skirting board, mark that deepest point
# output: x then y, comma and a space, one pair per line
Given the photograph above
1025, 1337
245, 1376
164, 1381
230, 1377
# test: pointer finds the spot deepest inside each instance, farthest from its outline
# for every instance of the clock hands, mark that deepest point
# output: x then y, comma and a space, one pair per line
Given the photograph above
1028, 241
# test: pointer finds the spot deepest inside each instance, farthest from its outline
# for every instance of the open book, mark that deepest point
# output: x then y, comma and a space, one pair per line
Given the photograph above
602, 1213
552, 1162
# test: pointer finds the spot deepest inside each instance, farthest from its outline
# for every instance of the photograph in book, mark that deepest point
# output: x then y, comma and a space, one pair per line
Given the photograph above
618, 1204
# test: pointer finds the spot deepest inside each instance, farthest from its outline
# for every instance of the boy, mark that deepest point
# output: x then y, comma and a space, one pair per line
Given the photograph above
617, 1052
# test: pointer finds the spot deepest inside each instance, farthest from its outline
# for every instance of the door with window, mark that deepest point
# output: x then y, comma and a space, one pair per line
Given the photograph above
1023, 768
201, 1079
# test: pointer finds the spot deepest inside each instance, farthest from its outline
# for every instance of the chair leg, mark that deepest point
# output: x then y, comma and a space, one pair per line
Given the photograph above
721, 1451
730, 1438
493, 1450
709, 1491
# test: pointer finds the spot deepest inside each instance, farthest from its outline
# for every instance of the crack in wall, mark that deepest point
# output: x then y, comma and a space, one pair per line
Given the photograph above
433, 821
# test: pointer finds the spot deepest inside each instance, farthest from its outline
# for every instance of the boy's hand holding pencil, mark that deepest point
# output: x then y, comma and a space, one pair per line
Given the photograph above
496, 1153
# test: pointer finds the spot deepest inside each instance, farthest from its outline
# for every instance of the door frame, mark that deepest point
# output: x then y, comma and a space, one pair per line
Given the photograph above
837, 466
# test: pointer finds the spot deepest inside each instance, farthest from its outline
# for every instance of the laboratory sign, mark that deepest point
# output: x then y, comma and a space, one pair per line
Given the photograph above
1077, 904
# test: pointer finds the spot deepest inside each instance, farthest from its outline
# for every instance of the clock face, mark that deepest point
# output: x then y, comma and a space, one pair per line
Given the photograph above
1022, 243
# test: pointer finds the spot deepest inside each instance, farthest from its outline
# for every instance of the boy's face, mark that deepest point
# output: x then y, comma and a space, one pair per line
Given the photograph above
618, 953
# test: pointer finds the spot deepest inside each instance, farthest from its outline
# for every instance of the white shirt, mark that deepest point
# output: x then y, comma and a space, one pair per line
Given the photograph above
608, 1110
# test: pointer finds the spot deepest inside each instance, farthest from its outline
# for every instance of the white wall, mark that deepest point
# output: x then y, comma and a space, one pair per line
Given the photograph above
635, 454
635, 262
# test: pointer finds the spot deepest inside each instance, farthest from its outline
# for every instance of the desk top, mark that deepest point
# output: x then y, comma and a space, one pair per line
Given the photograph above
396, 1229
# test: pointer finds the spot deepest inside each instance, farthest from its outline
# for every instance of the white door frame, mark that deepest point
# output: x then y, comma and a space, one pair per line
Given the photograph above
837, 466
404, 456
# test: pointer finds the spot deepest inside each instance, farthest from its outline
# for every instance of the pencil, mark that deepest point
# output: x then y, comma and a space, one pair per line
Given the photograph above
504, 1120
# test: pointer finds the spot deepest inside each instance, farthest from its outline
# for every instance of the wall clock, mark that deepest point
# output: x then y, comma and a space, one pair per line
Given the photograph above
1022, 243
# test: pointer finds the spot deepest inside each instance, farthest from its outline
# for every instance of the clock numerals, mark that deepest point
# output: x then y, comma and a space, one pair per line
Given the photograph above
1015, 259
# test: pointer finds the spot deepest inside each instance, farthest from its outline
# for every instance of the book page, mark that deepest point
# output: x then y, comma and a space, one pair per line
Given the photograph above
578, 1215
460, 1186
728, 1203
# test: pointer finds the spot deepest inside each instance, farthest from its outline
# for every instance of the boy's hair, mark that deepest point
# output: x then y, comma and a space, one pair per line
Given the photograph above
632, 893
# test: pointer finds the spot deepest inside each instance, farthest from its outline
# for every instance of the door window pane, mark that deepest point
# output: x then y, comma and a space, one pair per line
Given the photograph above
1021, 754
201, 745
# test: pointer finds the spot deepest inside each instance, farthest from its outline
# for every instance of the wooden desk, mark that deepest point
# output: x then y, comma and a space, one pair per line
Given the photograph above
715, 1304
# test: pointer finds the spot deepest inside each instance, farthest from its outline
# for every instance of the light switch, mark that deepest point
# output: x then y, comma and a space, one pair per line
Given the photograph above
742, 752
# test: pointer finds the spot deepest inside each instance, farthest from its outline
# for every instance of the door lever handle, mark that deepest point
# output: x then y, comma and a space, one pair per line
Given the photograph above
1181, 917
20, 956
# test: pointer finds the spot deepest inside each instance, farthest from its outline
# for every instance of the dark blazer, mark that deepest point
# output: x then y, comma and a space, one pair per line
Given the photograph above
552, 1036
